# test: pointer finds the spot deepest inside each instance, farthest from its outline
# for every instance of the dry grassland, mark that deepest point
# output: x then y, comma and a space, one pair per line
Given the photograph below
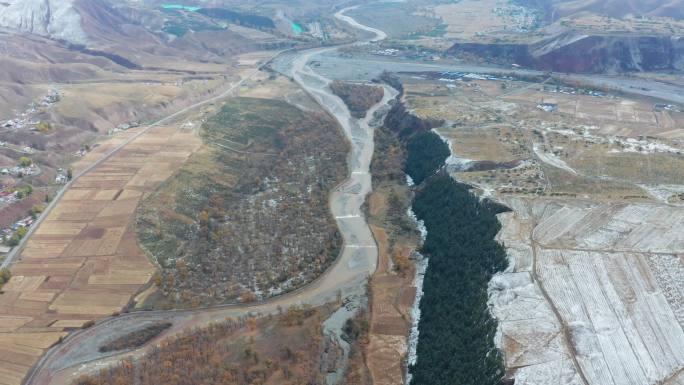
496, 20
391, 286
587, 135
83, 262
105, 104
459, 18
614, 116
562, 183
606, 25
471, 102
652, 169
251, 33
495, 143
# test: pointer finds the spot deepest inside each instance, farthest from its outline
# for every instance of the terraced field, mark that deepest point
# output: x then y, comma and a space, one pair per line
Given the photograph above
83, 262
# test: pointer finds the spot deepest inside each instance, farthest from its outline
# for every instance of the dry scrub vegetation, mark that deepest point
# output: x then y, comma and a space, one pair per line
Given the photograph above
286, 349
392, 289
136, 338
247, 216
358, 97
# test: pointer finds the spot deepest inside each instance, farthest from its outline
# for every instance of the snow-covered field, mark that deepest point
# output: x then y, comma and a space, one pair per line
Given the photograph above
614, 274
628, 227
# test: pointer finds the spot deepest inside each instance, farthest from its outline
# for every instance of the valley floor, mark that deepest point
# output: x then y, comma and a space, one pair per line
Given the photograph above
594, 291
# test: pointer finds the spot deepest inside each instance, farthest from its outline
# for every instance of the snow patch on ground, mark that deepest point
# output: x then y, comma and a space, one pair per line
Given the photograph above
411, 355
454, 163
626, 145
528, 332
421, 264
51, 18
551, 159
662, 192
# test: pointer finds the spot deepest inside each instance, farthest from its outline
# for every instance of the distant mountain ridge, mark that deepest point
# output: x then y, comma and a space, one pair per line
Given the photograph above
574, 52
557, 9
575, 38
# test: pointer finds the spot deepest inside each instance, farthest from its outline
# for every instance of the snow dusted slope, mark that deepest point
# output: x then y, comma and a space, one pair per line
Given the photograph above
600, 283
58, 19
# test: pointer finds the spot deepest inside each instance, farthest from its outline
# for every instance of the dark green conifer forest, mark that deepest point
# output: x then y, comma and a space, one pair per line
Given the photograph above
456, 330
456, 343
426, 154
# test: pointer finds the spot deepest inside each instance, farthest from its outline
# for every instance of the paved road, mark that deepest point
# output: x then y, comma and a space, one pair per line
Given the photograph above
78, 353
17, 250
358, 260
369, 67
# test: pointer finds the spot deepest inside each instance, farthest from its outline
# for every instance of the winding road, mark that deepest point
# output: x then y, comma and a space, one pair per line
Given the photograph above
78, 353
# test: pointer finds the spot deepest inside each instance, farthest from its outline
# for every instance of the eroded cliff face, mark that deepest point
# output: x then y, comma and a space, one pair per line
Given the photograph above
572, 52
612, 54
404, 123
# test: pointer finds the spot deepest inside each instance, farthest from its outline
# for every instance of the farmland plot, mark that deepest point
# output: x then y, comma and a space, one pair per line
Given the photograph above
83, 261
614, 277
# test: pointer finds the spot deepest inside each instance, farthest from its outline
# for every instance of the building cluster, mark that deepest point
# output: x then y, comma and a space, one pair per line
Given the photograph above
386, 52
666, 107
8, 233
449, 76
124, 127
7, 197
62, 176
519, 18
574, 91
20, 171
19, 123
52, 97
317, 31
26, 118
547, 107
405, 51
